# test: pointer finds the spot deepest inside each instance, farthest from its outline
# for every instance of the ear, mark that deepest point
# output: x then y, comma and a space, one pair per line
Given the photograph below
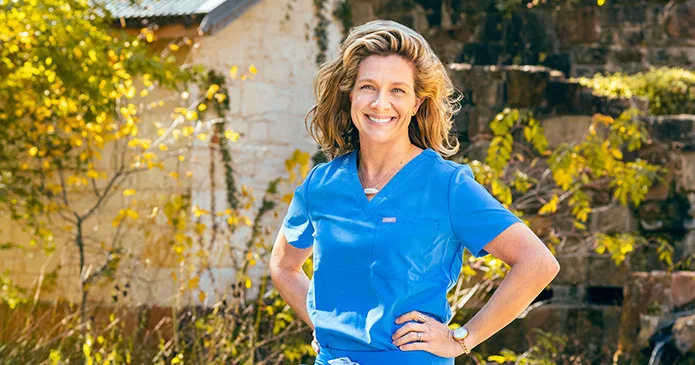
418, 102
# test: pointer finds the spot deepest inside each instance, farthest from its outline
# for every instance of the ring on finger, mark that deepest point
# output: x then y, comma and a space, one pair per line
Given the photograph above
422, 318
419, 336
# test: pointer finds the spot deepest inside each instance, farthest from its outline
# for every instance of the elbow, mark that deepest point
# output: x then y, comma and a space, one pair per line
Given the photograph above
274, 268
553, 267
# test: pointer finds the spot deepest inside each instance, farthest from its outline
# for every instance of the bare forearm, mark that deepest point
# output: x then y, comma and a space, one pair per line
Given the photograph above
522, 284
293, 287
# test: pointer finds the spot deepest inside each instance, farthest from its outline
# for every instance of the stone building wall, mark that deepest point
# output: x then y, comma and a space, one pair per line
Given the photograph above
579, 39
267, 111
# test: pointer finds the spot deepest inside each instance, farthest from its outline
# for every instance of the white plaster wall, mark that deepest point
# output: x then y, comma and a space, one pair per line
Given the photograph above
268, 111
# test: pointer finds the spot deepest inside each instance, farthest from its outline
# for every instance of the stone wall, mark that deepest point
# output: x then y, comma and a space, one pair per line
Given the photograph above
579, 39
587, 296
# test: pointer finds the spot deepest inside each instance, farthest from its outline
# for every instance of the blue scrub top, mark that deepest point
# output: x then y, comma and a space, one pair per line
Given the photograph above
375, 260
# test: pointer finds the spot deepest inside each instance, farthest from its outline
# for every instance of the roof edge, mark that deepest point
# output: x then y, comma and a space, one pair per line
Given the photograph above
224, 14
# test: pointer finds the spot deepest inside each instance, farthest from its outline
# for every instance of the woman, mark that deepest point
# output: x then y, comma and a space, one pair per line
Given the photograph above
388, 217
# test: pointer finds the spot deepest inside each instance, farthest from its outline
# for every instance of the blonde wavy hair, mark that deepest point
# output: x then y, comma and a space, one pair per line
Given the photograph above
331, 126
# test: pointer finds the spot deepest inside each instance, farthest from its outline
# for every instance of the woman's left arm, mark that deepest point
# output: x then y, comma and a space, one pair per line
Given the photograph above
533, 267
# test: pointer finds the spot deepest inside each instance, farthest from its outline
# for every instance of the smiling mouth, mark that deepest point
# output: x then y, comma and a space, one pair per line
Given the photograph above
380, 120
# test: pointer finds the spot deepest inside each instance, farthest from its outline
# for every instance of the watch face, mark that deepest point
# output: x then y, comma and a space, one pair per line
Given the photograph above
460, 333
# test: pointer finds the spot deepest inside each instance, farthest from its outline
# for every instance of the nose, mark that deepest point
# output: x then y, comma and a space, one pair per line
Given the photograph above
380, 102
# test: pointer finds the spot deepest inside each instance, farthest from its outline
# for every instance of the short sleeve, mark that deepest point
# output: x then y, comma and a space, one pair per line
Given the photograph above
297, 224
476, 216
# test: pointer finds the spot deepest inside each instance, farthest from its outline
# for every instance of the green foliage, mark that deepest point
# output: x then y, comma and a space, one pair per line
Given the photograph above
669, 90
534, 181
547, 350
9, 292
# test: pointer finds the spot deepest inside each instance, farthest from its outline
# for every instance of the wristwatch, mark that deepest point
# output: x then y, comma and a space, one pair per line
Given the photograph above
460, 335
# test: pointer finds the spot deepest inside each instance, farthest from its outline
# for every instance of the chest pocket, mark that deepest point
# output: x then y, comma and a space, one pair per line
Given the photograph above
404, 248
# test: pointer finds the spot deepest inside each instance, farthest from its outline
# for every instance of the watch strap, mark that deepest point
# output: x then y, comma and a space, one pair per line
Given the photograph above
461, 342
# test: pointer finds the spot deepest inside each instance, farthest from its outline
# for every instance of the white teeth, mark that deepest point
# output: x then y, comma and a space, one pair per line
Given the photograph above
376, 120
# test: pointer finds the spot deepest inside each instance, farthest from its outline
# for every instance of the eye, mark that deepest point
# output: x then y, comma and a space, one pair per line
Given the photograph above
366, 86
400, 90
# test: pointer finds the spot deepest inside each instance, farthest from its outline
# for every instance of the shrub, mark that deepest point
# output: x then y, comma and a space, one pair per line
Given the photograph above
669, 90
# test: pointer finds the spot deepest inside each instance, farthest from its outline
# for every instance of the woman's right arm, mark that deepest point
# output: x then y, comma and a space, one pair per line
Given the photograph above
288, 277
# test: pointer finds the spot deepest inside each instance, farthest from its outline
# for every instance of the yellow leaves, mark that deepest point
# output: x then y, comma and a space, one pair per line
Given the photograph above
231, 135
300, 159
123, 214
468, 271
197, 212
178, 359
202, 136
600, 2
187, 131
549, 207
128, 192
252, 69
202, 107
193, 282
191, 115
174, 47
501, 191
616, 153
220, 97
33, 151
617, 246
233, 71
92, 174
201, 296
214, 88
148, 34
287, 198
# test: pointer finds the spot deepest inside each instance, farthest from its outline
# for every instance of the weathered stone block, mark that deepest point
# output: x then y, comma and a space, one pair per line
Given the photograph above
682, 288
566, 129
616, 219
527, 85
680, 19
481, 53
660, 215
684, 333
590, 55
645, 293
659, 154
479, 120
550, 317
577, 26
603, 271
574, 269
686, 175
677, 130
636, 14
486, 85
628, 55
563, 96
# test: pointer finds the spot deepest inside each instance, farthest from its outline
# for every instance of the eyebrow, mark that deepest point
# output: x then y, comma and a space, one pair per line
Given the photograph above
374, 82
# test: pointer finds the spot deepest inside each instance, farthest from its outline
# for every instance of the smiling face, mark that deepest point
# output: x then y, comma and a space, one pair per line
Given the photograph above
383, 99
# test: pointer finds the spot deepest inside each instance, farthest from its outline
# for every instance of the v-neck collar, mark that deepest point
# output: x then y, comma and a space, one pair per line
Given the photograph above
367, 205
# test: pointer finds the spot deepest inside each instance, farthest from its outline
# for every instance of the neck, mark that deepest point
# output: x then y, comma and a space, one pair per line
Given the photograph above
375, 160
